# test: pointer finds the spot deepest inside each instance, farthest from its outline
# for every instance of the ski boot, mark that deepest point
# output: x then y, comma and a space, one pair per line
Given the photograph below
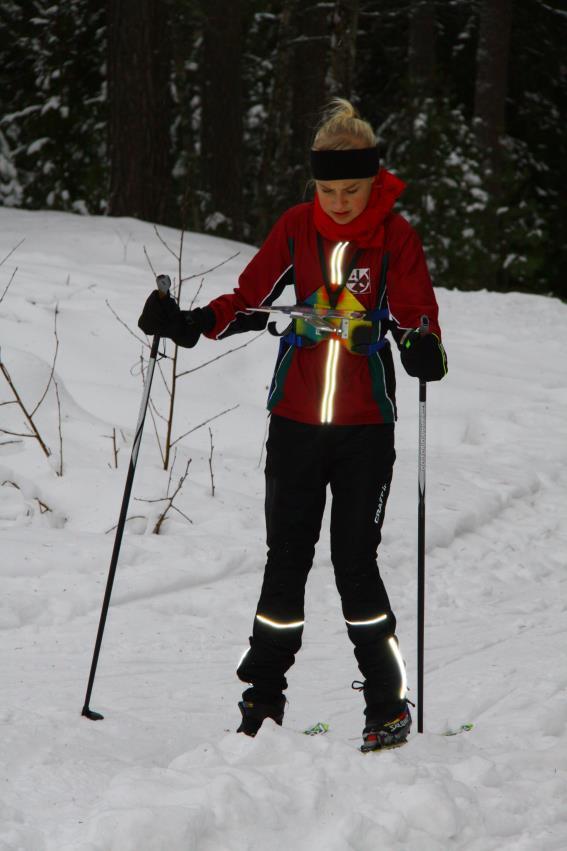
255, 710
388, 728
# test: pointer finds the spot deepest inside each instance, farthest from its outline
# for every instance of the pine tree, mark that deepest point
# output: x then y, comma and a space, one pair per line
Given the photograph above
53, 103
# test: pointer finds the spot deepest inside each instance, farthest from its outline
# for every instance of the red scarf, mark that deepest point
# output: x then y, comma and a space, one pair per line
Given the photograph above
367, 230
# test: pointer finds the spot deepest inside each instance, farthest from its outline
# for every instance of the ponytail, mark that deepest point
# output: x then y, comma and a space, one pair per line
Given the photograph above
342, 128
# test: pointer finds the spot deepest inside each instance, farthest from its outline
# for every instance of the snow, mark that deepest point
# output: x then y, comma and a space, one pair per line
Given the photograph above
165, 770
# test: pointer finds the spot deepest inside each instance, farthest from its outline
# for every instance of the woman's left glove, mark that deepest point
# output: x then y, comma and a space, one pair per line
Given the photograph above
162, 316
423, 356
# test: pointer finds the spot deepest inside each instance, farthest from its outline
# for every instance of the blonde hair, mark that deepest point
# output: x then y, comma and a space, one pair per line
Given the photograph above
342, 128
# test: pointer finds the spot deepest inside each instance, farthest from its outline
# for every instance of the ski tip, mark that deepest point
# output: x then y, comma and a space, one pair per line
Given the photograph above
317, 729
464, 728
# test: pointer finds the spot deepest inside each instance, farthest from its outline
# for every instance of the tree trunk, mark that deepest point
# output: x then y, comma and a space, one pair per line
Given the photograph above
490, 121
492, 76
221, 122
421, 58
273, 186
139, 110
312, 28
343, 49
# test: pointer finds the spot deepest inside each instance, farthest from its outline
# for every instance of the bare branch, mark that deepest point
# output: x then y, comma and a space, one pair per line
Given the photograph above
161, 372
132, 517
218, 357
139, 339
15, 433
115, 449
170, 499
164, 243
151, 406
175, 508
139, 369
211, 463
31, 423
12, 276
191, 430
52, 363
43, 507
156, 431
194, 299
212, 269
80, 290
171, 387
171, 471
149, 262
60, 471
169, 430
157, 413
11, 251
180, 265
7, 442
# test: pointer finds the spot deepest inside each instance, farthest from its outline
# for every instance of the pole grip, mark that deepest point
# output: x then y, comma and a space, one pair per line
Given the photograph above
163, 283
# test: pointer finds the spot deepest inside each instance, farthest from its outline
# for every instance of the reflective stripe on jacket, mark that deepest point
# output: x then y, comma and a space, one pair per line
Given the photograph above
326, 383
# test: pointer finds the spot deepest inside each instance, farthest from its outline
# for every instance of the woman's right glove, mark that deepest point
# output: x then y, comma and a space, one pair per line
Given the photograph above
162, 316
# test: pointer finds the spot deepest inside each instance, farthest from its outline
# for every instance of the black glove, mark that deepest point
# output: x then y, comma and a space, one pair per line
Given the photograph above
423, 356
159, 315
162, 316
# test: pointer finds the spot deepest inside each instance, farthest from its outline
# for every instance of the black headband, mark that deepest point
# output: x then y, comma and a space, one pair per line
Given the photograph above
344, 165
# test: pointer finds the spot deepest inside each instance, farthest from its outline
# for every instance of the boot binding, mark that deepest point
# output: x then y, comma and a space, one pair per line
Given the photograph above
388, 734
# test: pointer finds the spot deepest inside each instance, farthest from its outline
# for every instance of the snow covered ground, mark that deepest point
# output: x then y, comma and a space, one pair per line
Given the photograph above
165, 770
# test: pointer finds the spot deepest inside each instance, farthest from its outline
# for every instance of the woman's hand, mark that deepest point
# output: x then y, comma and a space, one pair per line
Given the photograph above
159, 315
423, 356
162, 316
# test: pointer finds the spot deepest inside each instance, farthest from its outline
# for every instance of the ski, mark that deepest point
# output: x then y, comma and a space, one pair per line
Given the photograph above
464, 728
320, 728
392, 747
317, 729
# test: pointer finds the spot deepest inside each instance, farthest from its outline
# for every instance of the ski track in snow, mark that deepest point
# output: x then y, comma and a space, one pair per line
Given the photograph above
165, 770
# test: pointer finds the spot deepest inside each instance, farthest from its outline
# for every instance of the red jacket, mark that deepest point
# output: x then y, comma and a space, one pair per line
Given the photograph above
295, 255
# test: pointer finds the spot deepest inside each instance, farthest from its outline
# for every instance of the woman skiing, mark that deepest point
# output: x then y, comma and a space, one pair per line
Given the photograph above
332, 404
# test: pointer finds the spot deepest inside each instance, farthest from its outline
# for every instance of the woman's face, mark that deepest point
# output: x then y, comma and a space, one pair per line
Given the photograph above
344, 200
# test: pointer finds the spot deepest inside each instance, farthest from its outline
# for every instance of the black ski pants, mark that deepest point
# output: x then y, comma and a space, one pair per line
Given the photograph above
302, 460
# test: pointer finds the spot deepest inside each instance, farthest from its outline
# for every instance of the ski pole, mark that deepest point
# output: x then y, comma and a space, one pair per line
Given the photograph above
163, 284
423, 329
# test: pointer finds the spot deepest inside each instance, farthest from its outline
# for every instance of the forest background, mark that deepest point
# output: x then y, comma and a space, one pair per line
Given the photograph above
200, 114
